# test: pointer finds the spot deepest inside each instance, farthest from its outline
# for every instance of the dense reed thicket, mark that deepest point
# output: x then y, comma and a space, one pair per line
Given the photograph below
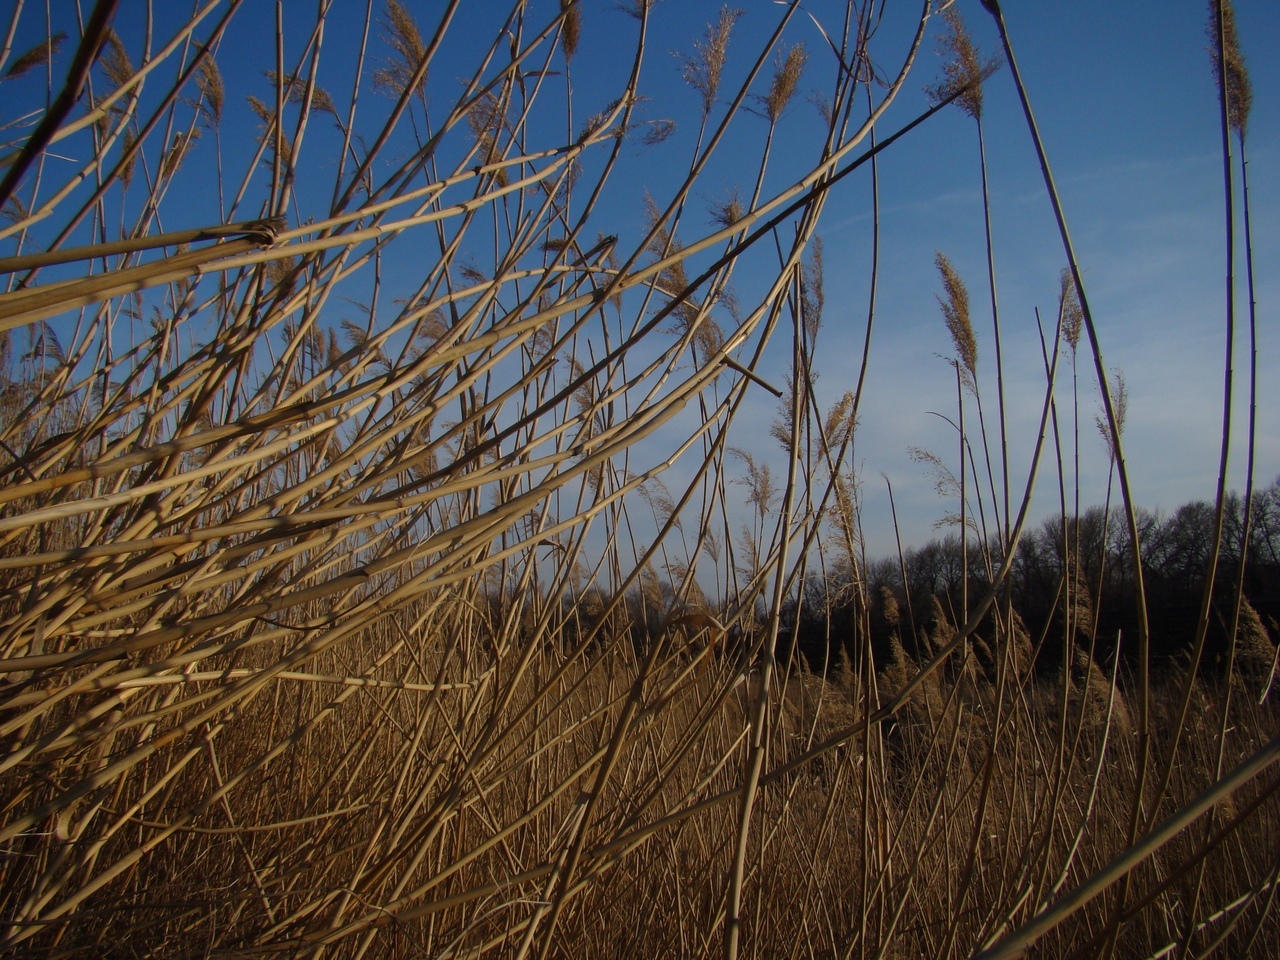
346, 610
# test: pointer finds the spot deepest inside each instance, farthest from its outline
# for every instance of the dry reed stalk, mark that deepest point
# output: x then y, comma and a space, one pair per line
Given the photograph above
335, 617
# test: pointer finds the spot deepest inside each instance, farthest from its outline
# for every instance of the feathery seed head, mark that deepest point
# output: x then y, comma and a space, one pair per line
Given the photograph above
281, 275
823, 106
786, 77
964, 67
889, 603
126, 149
177, 152
1072, 316
658, 132
1255, 653
15, 211
1239, 90
597, 122
45, 344
844, 514
487, 122
812, 290
944, 481
259, 108
839, 420
571, 31
783, 427
762, 492
730, 211
42, 53
268, 117
707, 341
396, 73
955, 310
333, 350
585, 391
638, 9
296, 92
672, 280
1120, 404
704, 68
115, 60
212, 92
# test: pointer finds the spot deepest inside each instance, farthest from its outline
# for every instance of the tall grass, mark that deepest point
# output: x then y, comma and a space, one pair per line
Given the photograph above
347, 611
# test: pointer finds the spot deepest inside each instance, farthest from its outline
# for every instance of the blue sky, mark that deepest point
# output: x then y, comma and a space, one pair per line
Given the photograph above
1128, 110
1126, 105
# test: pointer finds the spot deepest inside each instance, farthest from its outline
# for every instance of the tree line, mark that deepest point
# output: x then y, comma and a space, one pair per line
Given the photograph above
1083, 562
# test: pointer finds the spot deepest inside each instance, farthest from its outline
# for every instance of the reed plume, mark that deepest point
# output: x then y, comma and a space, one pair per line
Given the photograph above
964, 68
704, 68
787, 71
40, 55
1228, 66
571, 27
397, 72
955, 312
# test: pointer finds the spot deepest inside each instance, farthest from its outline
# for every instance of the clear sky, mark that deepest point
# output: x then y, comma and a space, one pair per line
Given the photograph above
1126, 103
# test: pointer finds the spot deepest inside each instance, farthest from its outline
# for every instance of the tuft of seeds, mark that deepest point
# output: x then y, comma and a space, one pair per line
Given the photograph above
596, 123
813, 295
658, 132
762, 491
728, 212
703, 70
126, 149
15, 211
268, 118
282, 276
115, 60
177, 152
707, 340
39, 55
1239, 90
396, 73
673, 279
639, 9
823, 106
1070, 312
260, 109
212, 92
1120, 403
571, 30
963, 69
487, 122
955, 310
297, 92
786, 77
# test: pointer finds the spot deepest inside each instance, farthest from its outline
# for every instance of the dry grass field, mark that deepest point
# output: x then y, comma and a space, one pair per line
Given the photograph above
345, 610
